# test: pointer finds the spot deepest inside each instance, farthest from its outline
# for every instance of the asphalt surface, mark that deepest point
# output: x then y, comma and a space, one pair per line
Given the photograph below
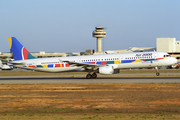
80, 78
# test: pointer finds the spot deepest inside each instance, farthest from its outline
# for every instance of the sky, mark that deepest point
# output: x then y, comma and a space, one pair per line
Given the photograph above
67, 25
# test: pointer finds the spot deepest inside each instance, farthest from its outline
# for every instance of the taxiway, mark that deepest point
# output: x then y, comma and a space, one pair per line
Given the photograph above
80, 78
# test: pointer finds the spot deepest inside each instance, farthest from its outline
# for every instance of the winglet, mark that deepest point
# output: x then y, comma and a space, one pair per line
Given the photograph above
18, 50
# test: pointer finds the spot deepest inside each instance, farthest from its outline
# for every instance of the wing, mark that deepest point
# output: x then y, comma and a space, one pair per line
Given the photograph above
83, 64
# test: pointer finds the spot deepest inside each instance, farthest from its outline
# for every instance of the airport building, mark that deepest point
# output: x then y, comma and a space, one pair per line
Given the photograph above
40, 54
169, 45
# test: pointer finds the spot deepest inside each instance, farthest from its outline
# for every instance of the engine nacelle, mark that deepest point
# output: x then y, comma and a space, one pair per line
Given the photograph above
173, 66
108, 70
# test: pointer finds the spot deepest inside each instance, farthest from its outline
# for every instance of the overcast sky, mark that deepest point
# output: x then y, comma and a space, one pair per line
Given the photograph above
67, 25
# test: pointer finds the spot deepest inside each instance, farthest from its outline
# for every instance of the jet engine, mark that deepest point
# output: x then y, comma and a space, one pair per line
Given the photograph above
108, 70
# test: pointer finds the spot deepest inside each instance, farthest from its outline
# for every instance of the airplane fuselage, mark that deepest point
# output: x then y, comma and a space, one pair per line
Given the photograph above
103, 64
117, 61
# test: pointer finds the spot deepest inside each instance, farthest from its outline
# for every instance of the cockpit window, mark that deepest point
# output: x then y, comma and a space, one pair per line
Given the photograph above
167, 56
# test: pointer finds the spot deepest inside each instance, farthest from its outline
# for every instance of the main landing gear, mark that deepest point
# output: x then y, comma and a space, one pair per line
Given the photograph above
157, 73
89, 76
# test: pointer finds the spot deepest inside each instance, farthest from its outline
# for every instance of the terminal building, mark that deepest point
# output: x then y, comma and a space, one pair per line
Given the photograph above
169, 45
40, 54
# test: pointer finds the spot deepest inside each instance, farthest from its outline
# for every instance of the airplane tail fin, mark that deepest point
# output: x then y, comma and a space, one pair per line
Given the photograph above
18, 50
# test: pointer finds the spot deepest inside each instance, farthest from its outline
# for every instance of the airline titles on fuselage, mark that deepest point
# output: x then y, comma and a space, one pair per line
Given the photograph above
143, 55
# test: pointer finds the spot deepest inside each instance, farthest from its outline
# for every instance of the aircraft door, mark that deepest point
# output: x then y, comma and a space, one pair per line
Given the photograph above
79, 60
34, 62
155, 55
121, 58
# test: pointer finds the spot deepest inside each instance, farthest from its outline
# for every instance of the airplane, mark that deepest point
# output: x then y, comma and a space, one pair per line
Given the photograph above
103, 63
5, 66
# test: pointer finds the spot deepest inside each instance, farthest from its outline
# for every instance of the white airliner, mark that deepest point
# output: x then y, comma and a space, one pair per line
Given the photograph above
103, 64
5, 66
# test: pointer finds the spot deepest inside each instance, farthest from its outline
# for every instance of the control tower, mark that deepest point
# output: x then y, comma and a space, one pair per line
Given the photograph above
99, 33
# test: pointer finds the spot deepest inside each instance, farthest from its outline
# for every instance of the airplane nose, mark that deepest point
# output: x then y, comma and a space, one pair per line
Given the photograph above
175, 60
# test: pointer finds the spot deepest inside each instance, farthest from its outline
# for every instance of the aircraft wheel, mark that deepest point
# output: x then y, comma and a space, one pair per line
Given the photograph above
157, 74
94, 75
88, 76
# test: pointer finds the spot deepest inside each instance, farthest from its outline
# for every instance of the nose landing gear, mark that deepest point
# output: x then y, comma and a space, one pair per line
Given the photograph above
89, 76
157, 73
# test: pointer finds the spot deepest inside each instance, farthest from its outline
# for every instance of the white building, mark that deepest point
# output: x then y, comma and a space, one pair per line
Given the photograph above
169, 45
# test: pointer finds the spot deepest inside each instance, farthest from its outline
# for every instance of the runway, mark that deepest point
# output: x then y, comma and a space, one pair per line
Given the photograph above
80, 78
